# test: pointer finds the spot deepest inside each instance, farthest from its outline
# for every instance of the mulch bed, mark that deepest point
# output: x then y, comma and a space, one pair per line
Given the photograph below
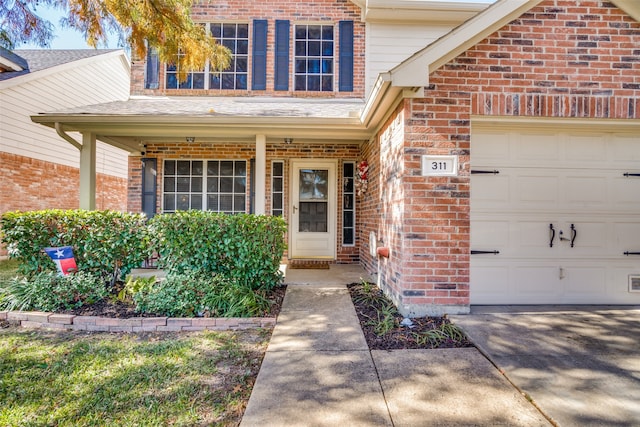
120, 310
400, 337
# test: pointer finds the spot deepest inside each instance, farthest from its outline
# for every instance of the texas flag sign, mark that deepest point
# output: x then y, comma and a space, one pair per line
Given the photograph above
63, 258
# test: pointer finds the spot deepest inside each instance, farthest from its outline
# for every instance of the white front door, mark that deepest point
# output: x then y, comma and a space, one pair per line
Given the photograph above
313, 209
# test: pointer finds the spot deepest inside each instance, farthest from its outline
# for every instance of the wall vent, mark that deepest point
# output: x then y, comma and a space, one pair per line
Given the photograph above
634, 283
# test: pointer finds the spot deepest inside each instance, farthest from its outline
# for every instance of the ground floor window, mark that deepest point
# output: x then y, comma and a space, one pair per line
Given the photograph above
277, 188
215, 185
348, 204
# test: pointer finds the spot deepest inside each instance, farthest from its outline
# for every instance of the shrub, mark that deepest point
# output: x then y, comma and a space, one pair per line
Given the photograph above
47, 291
245, 248
101, 240
193, 294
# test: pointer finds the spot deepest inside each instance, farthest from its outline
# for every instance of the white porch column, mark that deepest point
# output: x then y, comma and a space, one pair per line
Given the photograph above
88, 172
261, 174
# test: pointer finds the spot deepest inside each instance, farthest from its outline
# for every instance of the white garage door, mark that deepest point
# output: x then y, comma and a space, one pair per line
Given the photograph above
555, 217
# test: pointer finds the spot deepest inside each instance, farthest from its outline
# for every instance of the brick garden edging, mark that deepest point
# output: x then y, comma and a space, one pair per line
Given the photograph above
39, 319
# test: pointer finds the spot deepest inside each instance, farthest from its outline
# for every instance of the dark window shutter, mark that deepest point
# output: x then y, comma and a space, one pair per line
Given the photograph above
152, 71
149, 172
259, 72
282, 56
345, 82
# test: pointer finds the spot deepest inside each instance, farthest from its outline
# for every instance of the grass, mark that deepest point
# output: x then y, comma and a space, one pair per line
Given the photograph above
81, 379
8, 269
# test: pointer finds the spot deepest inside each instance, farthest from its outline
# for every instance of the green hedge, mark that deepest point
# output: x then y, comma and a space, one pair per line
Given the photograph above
244, 248
100, 239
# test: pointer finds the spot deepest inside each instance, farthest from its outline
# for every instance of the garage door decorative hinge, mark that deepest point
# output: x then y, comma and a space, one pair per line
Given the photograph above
484, 252
479, 171
627, 174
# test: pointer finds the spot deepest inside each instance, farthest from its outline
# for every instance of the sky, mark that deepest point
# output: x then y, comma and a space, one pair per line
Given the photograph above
65, 38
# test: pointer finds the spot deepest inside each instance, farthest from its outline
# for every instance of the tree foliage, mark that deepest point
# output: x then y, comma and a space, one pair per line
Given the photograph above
165, 25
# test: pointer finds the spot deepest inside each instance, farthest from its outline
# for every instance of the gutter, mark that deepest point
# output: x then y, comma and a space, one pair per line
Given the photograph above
66, 136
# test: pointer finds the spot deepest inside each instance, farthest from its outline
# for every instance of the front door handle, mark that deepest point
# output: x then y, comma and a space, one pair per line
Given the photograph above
294, 209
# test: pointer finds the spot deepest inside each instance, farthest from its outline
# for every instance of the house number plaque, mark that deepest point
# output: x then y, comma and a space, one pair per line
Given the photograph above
439, 165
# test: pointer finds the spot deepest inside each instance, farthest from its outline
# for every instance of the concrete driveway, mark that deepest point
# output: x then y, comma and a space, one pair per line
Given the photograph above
579, 365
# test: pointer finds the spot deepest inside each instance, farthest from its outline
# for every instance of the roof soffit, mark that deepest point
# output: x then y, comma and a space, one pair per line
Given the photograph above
452, 12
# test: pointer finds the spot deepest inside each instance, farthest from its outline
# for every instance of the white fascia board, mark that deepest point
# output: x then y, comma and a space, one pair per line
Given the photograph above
631, 7
415, 70
66, 66
422, 10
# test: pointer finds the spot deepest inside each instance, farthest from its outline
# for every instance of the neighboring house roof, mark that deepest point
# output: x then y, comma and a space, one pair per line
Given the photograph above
10, 62
33, 60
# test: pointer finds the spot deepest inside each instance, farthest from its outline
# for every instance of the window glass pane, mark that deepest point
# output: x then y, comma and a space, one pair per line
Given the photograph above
229, 31
183, 185
170, 167
277, 184
243, 31
327, 83
241, 168
347, 234
242, 47
327, 32
169, 184
278, 169
301, 48
198, 81
239, 202
215, 81
227, 81
313, 66
327, 66
327, 48
314, 32
239, 184
313, 83
182, 202
196, 201
314, 48
277, 199
301, 66
226, 168
301, 83
226, 203
241, 65
226, 185
241, 81
184, 167
172, 81
196, 167
196, 183
230, 44
348, 201
216, 30
347, 219
313, 184
301, 32
169, 202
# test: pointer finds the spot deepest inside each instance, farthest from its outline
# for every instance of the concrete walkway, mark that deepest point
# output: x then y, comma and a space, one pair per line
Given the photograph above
318, 371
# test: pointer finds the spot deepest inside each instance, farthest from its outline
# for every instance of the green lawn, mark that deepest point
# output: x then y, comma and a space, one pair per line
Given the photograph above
8, 269
82, 379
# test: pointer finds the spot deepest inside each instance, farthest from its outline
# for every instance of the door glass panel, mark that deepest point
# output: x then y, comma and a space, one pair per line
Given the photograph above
313, 200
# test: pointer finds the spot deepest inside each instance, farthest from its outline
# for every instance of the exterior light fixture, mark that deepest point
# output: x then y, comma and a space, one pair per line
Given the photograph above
191, 139
288, 141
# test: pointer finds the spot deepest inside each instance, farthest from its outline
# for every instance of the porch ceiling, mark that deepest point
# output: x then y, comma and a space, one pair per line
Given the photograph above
127, 123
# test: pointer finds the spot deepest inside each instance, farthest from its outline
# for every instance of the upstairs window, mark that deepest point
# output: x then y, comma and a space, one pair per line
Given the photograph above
236, 38
314, 62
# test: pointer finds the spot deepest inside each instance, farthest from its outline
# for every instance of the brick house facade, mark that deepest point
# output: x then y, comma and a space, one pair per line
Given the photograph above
522, 76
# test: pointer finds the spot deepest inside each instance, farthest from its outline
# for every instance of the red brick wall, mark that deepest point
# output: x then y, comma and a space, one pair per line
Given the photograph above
29, 184
562, 59
312, 12
246, 151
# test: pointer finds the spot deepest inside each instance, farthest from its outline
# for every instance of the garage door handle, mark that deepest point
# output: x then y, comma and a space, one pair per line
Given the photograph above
574, 233
553, 235
484, 252
627, 174
631, 253
477, 172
